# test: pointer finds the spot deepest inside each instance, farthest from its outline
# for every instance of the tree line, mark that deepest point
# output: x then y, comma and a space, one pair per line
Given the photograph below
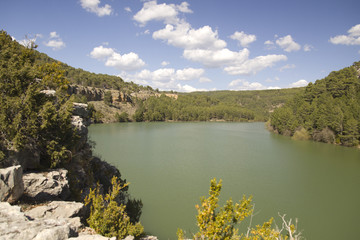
327, 111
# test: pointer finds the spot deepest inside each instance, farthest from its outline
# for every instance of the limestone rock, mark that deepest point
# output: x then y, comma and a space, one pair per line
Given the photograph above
92, 237
80, 125
50, 93
46, 186
15, 225
149, 238
68, 212
81, 109
57, 210
11, 184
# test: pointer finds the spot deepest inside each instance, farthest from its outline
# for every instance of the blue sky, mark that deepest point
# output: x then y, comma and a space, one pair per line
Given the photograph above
193, 45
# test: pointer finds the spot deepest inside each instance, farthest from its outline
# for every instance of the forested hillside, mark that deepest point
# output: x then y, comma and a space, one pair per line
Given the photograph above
328, 110
31, 121
88, 79
218, 105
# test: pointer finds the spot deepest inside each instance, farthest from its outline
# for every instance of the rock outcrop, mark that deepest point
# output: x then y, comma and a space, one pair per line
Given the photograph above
91, 93
46, 186
14, 224
11, 184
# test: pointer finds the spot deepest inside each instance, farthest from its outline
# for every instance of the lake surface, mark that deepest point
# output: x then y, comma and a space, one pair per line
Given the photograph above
169, 167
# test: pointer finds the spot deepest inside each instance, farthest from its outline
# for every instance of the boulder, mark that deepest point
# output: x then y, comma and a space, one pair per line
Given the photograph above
49, 93
15, 225
57, 210
46, 186
80, 125
68, 212
11, 183
81, 109
92, 237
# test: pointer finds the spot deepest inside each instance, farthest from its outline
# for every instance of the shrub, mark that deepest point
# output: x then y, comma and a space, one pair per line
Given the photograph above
107, 217
220, 224
301, 134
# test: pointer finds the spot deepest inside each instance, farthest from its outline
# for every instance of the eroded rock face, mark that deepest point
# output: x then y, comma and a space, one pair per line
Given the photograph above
15, 225
11, 184
46, 186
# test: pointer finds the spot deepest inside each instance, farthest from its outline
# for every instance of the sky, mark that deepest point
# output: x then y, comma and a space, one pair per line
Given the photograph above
193, 45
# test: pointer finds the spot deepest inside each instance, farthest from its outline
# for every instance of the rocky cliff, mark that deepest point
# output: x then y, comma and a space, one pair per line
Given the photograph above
45, 197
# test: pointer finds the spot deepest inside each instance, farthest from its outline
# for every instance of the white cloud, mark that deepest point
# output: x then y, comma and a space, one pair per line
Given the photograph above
308, 48
183, 36
205, 80
288, 44
125, 62
101, 52
55, 41
353, 37
93, 6
203, 44
243, 38
128, 9
252, 66
216, 58
166, 78
54, 35
189, 74
240, 84
287, 66
164, 63
300, 83
160, 12
276, 79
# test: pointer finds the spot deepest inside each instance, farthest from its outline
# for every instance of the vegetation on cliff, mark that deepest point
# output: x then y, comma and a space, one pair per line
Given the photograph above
37, 122
221, 224
327, 111
31, 120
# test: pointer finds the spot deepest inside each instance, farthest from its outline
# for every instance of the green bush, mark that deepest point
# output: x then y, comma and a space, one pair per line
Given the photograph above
221, 224
107, 217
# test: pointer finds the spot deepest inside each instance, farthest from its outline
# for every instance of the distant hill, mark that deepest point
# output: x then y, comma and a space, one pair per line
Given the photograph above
142, 103
327, 111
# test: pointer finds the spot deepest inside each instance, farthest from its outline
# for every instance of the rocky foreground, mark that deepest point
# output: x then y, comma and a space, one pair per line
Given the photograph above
35, 204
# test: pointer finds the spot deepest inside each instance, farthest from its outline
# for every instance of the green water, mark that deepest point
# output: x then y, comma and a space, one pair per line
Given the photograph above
169, 166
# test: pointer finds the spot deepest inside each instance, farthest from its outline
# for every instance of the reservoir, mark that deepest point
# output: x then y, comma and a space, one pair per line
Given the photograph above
170, 165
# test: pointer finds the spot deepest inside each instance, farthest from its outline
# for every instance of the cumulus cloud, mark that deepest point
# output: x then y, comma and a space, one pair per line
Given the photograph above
164, 63
269, 45
252, 66
183, 36
205, 80
216, 58
287, 66
300, 83
288, 44
55, 42
240, 84
203, 44
126, 62
243, 38
352, 38
93, 6
308, 48
167, 78
160, 12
